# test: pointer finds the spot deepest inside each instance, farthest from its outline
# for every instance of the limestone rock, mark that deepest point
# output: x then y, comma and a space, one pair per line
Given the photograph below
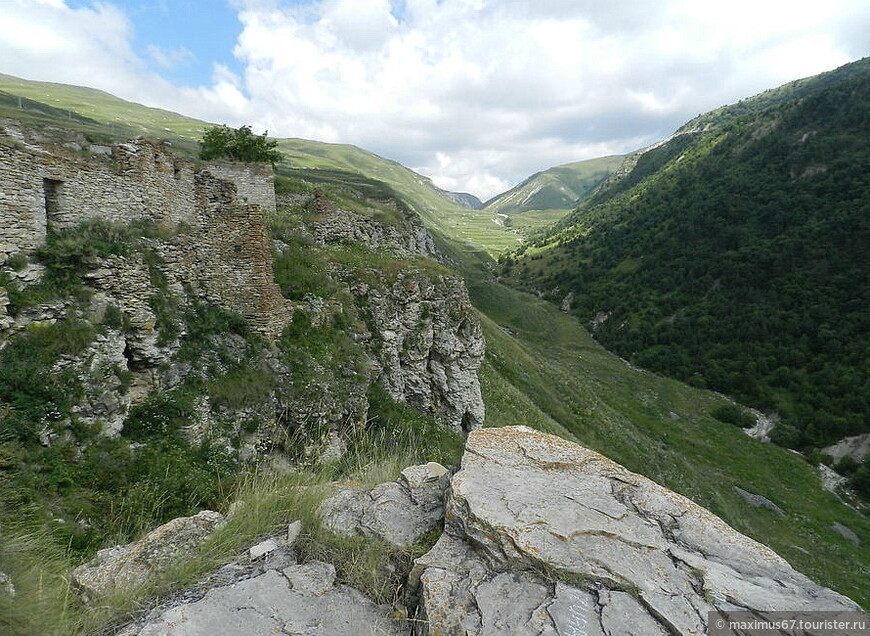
399, 512
430, 344
857, 447
131, 565
633, 557
103, 399
293, 532
757, 501
407, 237
6, 586
847, 533
831, 480
6, 321
262, 549
333, 448
301, 600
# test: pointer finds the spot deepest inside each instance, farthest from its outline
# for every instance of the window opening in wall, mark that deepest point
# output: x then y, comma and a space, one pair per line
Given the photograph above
53, 191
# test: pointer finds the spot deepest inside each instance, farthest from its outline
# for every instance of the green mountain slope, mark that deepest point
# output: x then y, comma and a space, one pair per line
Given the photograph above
558, 188
546, 197
734, 256
100, 114
544, 370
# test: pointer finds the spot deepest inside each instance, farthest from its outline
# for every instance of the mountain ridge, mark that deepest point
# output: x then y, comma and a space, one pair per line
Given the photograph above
558, 188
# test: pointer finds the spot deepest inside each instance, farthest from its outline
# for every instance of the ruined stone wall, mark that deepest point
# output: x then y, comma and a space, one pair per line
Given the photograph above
42, 189
254, 182
225, 253
227, 257
21, 195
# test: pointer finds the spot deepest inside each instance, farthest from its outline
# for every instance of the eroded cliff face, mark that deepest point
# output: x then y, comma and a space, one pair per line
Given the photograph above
402, 235
425, 340
185, 302
429, 344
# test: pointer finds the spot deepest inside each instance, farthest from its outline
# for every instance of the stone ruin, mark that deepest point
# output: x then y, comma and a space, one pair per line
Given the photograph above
46, 187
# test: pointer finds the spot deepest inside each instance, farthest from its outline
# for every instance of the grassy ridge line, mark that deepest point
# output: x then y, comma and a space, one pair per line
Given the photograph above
107, 109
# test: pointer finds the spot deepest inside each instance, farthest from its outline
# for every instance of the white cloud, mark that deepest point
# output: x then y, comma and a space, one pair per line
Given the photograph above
41, 35
467, 91
169, 58
476, 94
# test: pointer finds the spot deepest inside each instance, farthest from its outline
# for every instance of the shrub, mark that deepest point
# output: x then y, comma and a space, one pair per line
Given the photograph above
239, 144
733, 414
786, 435
300, 271
161, 415
36, 395
860, 480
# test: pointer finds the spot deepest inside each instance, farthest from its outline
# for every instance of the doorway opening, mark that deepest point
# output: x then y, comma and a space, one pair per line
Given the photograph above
53, 192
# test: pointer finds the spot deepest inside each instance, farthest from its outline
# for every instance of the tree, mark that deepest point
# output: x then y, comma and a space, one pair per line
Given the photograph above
239, 145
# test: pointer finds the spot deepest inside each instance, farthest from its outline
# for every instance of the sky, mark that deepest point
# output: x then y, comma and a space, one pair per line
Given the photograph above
476, 94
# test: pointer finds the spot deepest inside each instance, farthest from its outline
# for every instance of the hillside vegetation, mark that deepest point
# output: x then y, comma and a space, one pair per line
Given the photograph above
734, 256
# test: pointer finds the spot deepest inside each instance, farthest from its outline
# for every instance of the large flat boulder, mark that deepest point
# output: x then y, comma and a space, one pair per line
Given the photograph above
546, 537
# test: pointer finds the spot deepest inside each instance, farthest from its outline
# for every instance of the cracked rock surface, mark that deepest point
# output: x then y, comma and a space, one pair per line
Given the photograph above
301, 600
546, 537
131, 565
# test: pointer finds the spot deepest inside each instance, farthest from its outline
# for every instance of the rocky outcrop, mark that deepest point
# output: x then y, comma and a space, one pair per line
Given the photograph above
429, 344
857, 447
542, 538
426, 340
757, 501
847, 533
399, 512
268, 592
130, 566
404, 235
546, 537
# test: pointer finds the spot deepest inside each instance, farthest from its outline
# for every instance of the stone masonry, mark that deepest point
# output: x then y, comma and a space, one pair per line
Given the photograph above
254, 182
227, 254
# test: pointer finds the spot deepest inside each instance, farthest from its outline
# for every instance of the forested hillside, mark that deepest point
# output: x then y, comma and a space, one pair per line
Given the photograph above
734, 256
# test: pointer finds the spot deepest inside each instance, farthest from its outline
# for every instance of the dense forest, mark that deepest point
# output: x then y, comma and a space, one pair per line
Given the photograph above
735, 257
